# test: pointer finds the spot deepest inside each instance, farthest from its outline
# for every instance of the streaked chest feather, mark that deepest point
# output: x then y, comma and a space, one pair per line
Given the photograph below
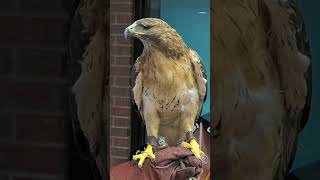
168, 74
171, 106
168, 84
167, 78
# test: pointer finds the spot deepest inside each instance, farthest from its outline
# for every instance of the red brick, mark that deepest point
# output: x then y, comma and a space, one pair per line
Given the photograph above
122, 81
123, 102
120, 122
112, 60
127, 61
120, 71
121, 40
119, 152
40, 96
113, 39
29, 30
119, 111
41, 63
32, 159
118, 29
120, 142
124, 19
119, 132
6, 125
121, 53
121, 50
121, 7
5, 61
53, 6
41, 128
113, 18
122, 92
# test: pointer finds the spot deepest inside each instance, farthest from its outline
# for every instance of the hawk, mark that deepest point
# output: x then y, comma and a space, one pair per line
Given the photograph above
170, 87
261, 87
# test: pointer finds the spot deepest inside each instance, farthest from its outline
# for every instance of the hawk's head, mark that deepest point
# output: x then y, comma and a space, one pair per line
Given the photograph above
156, 32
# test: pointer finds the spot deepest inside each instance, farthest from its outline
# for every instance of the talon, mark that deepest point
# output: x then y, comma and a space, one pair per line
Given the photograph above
148, 153
185, 145
194, 147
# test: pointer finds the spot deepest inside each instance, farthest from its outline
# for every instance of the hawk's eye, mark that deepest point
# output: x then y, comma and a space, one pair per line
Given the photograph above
146, 26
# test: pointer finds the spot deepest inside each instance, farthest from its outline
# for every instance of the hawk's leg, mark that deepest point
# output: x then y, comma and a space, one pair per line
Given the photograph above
193, 145
147, 153
187, 124
152, 122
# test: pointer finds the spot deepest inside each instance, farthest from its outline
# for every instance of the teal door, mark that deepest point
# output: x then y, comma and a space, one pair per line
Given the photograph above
191, 19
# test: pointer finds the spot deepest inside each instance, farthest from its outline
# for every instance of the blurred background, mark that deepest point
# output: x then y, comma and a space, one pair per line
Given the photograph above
307, 161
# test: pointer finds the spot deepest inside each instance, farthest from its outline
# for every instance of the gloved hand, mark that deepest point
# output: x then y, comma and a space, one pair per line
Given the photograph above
172, 163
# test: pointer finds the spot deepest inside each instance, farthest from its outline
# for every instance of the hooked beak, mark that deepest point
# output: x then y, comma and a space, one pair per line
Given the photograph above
131, 31
127, 33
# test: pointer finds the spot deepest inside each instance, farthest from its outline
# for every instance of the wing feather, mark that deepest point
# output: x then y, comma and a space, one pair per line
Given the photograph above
293, 59
200, 77
292, 53
137, 88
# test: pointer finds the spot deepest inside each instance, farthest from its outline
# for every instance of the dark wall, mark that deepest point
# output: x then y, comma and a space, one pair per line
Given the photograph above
35, 131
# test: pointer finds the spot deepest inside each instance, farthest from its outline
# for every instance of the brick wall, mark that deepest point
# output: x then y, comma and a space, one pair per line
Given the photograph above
121, 54
34, 130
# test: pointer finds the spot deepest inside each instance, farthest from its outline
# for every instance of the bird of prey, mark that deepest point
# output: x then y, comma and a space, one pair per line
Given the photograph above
170, 87
261, 87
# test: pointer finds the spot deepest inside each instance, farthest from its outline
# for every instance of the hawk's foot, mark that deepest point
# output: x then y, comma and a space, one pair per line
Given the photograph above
147, 153
195, 149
